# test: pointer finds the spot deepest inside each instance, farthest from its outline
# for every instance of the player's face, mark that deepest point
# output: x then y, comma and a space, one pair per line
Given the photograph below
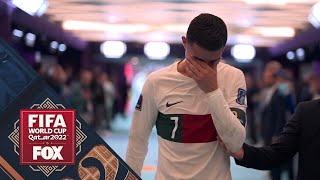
195, 52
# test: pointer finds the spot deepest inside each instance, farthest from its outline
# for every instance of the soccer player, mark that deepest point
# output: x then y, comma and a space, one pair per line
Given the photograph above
191, 102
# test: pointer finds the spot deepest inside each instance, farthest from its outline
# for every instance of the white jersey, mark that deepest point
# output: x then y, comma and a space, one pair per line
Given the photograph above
188, 122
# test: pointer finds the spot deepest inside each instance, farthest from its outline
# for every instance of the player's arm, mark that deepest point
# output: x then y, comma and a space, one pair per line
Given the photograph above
284, 148
229, 128
229, 115
142, 123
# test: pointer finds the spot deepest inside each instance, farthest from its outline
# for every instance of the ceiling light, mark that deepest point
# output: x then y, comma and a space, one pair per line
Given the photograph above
275, 31
98, 26
243, 53
62, 47
300, 54
34, 7
30, 39
54, 44
314, 17
156, 50
290, 55
273, 2
17, 33
113, 49
42, 9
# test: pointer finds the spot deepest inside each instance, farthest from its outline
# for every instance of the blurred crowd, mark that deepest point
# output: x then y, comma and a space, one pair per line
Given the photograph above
90, 91
272, 100
272, 96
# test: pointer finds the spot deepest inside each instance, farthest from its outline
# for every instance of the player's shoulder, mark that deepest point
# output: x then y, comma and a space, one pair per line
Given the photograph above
228, 69
162, 72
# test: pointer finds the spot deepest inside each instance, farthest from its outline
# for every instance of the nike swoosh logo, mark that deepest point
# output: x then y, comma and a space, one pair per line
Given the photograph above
171, 104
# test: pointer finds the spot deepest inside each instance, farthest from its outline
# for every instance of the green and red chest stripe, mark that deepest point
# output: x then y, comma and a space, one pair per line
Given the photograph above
186, 128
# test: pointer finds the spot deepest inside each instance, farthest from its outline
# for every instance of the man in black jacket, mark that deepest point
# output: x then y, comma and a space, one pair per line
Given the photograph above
301, 134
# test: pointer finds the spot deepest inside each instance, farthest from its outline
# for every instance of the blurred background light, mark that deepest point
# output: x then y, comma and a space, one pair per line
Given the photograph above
113, 49
38, 57
32, 7
243, 53
290, 55
62, 47
105, 27
300, 54
54, 44
17, 33
30, 39
314, 16
156, 50
275, 31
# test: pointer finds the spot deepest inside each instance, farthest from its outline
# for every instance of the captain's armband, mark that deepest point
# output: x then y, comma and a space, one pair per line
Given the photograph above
240, 114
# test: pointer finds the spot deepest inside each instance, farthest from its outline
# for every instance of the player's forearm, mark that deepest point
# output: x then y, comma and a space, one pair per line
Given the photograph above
136, 153
138, 144
229, 128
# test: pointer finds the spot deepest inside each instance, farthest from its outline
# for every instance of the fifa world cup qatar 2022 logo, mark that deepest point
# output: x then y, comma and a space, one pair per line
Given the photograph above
47, 137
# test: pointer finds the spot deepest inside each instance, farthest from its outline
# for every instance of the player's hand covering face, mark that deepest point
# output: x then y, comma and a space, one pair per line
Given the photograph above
204, 74
201, 65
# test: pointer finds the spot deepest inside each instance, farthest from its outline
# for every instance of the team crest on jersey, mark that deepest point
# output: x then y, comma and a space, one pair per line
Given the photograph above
241, 96
139, 103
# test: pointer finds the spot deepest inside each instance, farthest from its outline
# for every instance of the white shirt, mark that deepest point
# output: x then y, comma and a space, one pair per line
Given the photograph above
188, 121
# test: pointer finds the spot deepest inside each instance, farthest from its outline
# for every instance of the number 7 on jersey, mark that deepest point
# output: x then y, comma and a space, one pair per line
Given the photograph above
176, 120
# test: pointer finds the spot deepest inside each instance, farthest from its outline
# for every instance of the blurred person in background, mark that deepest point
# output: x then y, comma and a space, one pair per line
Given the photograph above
274, 109
68, 69
310, 88
314, 86
121, 97
39, 68
81, 95
109, 96
98, 100
191, 102
286, 88
252, 98
57, 78
273, 103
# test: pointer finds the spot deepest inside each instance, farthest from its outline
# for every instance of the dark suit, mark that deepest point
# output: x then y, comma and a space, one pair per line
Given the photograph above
301, 134
273, 117
273, 121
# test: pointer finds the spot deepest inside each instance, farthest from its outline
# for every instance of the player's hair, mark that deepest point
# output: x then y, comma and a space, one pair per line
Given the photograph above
207, 31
